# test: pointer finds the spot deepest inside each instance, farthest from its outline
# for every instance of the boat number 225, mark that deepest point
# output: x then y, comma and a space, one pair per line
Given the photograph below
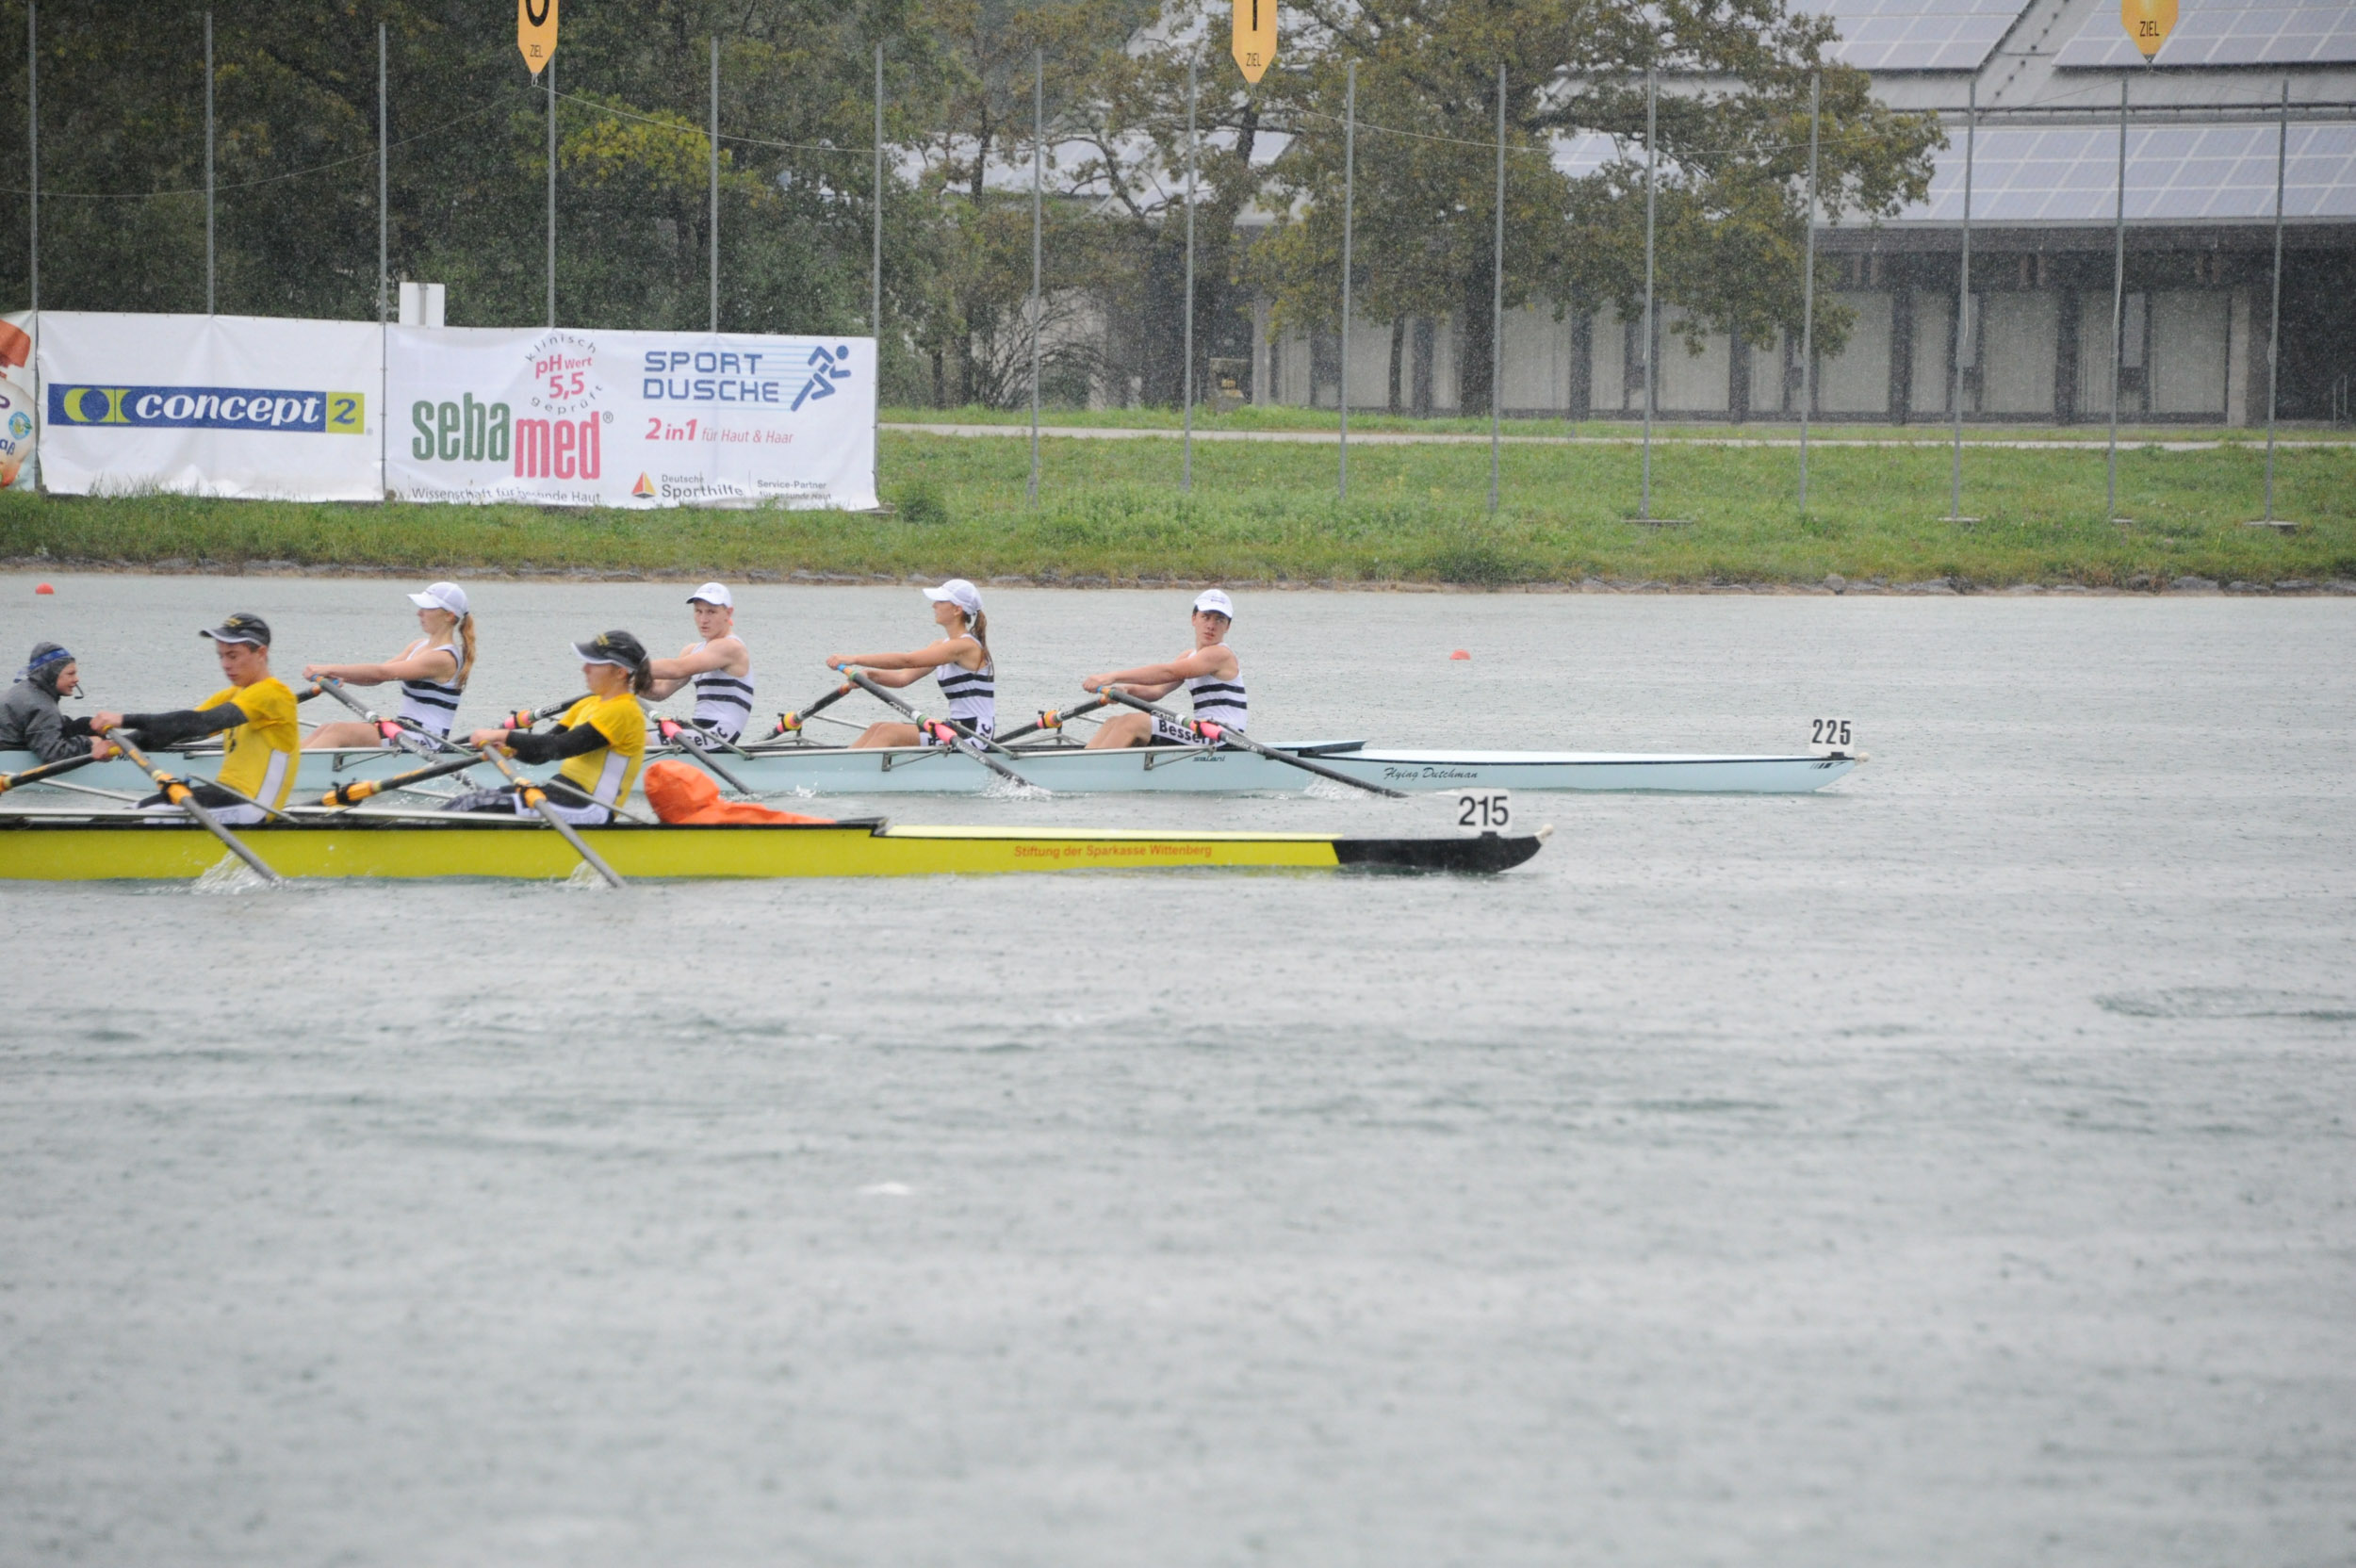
1829, 732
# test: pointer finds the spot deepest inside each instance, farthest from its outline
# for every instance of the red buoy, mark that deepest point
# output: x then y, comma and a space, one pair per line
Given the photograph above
1459, 653
43, 588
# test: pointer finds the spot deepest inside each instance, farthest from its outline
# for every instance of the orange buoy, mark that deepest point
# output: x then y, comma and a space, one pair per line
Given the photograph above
1459, 653
43, 588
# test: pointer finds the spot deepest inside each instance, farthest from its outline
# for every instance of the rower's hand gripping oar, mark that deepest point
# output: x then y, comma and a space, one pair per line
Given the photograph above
178, 792
952, 726
1217, 732
1054, 718
390, 729
524, 718
537, 799
790, 723
672, 730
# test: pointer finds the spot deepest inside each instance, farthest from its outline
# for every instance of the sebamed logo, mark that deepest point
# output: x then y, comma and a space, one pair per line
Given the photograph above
246, 408
467, 431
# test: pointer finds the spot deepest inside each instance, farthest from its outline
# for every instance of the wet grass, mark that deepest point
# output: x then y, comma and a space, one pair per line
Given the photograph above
1111, 510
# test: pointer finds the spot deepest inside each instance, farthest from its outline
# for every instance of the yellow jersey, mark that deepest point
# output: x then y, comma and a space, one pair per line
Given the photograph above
263, 751
605, 775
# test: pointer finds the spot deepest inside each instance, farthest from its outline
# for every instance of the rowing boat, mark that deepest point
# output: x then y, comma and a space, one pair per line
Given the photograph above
791, 769
67, 847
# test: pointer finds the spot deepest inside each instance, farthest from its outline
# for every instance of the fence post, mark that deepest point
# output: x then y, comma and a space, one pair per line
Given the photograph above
715, 246
1808, 285
1963, 297
551, 192
2118, 304
1185, 474
2274, 322
1039, 141
1643, 504
32, 148
875, 277
209, 163
1497, 304
1349, 205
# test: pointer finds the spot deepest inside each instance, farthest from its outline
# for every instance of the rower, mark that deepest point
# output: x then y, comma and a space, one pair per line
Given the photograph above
1209, 672
720, 667
960, 661
601, 740
257, 712
29, 719
433, 672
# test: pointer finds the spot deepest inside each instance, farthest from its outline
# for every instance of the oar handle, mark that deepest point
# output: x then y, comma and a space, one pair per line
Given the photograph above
1238, 738
1054, 718
961, 731
355, 790
47, 769
790, 723
178, 792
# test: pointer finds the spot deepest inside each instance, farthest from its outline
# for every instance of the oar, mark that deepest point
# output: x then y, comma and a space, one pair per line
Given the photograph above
181, 795
387, 727
1235, 737
358, 789
524, 718
672, 730
790, 723
538, 801
47, 769
1054, 718
952, 726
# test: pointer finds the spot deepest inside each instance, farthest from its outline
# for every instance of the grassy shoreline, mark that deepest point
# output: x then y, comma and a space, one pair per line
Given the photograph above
1111, 512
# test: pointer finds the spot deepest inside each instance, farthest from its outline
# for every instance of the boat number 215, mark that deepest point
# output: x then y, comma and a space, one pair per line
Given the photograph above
1485, 811
1829, 732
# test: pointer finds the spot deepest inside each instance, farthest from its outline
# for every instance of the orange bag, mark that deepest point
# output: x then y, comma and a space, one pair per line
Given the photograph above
682, 793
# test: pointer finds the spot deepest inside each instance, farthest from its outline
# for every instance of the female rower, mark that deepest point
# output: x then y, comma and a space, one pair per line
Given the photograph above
960, 662
1209, 672
433, 672
256, 709
720, 665
601, 740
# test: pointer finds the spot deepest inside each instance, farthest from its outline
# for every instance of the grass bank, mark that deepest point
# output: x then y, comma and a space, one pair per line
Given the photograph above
1111, 510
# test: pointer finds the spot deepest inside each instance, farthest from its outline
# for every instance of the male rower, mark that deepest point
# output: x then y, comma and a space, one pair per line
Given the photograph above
720, 665
255, 709
29, 719
1209, 672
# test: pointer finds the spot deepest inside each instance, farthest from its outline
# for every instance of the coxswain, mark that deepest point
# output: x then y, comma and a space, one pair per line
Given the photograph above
960, 661
601, 740
1209, 672
433, 672
256, 712
29, 719
720, 666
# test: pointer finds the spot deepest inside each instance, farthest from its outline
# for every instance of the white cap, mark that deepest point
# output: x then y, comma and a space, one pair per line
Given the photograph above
714, 593
1216, 601
442, 595
960, 593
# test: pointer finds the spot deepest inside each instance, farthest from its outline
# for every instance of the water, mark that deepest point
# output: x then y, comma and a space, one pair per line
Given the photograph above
1952, 1167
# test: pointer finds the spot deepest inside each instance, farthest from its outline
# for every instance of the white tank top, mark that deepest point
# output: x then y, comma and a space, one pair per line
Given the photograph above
973, 693
432, 704
724, 702
1220, 702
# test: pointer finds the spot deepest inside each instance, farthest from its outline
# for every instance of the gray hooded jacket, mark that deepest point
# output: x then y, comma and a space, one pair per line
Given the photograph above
29, 720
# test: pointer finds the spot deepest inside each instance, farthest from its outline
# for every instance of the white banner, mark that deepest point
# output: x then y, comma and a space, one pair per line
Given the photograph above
20, 412
210, 405
574, 418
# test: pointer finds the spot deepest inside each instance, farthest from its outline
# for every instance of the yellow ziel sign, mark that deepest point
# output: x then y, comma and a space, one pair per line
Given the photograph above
2147, 22
535, 32
1255, 37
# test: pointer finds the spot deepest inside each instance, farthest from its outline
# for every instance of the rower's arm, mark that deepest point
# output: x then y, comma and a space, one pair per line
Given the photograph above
1167, 678
437, 665
558, 746
183, 724
725, 653
949, 650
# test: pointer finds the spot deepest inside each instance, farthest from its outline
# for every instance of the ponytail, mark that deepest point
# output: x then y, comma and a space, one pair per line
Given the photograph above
978, 624
466, 641
642, 677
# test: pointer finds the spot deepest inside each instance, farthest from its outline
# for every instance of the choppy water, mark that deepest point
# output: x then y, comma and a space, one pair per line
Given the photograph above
1950, 1169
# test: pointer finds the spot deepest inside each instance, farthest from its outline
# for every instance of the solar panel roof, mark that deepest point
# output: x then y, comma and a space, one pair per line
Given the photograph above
1916, 35
2175, 174
2226, 32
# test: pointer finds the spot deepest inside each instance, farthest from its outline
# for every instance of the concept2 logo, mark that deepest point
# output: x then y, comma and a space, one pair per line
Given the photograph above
825, 369
210, 408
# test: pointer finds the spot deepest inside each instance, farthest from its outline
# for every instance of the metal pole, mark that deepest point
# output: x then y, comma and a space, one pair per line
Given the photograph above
32, 144
1497, 303
209, 163
1038, 145
1185, 473
874, 276
1349, 206
715, 246
383, 270
1963, 297
551, 192
2274, 324
1643, 504
1807, 285
2118, 299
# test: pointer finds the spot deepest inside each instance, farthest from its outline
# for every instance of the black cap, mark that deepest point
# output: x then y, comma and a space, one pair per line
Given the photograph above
240, 627
612, 647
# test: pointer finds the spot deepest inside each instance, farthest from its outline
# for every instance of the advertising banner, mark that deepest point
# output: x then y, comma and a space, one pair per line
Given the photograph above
567, 417
210, 405
20, 415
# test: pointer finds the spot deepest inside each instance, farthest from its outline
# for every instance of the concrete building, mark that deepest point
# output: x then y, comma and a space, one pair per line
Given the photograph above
2036, 346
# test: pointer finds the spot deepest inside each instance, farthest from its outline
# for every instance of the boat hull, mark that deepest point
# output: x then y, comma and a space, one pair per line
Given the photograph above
81, 849
1145, 770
